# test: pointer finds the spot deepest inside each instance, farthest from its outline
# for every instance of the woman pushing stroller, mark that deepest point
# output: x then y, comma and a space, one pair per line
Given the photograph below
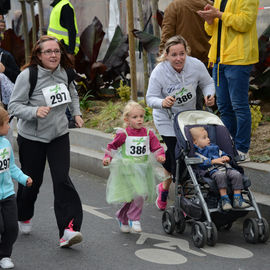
172, 89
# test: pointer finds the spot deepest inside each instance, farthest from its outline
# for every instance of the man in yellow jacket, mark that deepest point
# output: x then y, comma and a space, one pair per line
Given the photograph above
63, 26
234, 49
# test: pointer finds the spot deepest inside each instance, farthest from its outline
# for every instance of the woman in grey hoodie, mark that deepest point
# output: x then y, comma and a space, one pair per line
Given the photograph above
43, 134
172, 88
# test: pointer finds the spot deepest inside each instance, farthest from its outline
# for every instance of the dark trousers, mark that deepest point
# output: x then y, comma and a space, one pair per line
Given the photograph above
8, 225
67, 203
222, 178
170, 163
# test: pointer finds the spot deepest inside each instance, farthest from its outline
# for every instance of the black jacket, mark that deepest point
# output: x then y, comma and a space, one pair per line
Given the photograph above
11, 68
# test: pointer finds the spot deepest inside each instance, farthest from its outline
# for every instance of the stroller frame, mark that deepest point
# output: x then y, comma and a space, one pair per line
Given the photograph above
204, 230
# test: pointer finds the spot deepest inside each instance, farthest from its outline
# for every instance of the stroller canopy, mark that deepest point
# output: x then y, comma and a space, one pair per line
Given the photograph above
196, 118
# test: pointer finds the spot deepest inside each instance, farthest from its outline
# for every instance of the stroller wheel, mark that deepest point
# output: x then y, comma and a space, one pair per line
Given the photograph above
264, 231
180, 225
212, 240
168, 221
251, 230
199, 234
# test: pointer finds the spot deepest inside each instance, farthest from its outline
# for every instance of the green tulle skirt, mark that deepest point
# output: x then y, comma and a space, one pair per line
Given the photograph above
129, 179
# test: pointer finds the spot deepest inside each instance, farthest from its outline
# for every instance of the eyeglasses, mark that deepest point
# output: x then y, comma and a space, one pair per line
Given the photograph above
50, 52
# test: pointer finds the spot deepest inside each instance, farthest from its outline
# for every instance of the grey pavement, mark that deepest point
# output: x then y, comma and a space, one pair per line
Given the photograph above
105, 248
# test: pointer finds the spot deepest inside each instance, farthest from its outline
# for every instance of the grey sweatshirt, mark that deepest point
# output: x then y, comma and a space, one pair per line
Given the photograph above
166, 81
55, 124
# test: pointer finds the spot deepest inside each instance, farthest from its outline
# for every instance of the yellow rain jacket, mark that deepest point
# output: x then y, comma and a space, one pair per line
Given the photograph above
239, 40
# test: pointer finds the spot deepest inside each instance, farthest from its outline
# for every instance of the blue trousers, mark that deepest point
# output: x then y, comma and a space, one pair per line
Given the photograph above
232, 84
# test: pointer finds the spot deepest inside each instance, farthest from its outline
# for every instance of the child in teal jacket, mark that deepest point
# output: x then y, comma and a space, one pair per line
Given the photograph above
8, 206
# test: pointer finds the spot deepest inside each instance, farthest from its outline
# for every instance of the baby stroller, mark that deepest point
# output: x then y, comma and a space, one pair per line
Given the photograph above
197, 198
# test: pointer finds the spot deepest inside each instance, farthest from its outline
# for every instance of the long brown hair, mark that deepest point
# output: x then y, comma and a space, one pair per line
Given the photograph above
34, 60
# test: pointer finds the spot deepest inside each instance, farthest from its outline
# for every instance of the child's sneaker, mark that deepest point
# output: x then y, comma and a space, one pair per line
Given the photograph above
25, 227
6, 263
123, 227
70, 236
161, 201
135, 226
238, 202
226, 203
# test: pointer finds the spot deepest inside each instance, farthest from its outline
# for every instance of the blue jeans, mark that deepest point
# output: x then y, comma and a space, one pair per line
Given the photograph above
232, 101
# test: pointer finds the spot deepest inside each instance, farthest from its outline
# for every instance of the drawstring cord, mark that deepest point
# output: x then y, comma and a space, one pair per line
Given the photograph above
218, 74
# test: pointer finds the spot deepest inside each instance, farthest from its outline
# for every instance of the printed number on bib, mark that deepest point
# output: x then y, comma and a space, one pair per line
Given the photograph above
56, 95
183, 96
183, 99
138, 150
4, 159
137, 146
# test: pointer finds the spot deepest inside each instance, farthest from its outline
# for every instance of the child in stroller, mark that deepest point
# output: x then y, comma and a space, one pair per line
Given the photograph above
216, 165
197, 196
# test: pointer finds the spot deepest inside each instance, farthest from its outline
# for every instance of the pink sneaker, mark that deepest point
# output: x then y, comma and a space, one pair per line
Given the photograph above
70, 236
161, 201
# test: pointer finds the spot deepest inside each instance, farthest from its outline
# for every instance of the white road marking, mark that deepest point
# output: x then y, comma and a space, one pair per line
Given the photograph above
160, 256
92, 210
228, 251
171, 243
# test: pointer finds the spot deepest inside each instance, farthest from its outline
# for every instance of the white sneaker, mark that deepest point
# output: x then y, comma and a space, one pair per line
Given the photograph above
123, 228
70, 238
6, 263
25, 227
135, 226
239, 202
244, 157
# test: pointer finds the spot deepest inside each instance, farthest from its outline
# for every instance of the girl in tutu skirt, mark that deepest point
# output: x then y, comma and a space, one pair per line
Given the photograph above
132, 179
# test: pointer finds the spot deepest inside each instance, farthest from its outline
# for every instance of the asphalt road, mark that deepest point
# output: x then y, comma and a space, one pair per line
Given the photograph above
105, 247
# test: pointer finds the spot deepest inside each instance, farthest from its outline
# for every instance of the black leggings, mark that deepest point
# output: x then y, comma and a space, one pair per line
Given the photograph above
8, 225
67, 203
170, 163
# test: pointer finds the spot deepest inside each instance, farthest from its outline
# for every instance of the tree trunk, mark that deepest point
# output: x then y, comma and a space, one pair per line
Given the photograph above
145, 66
41, 17
25, 31
34, 27
132, 58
